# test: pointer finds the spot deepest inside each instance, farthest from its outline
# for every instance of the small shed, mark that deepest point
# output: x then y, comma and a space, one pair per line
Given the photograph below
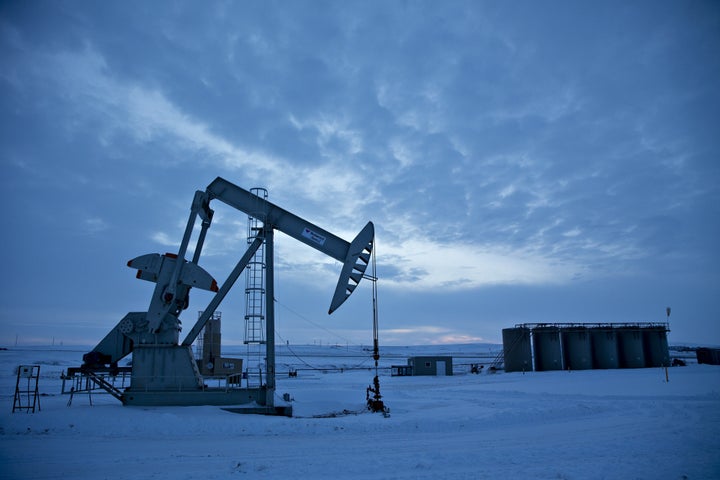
431, 365
708, 356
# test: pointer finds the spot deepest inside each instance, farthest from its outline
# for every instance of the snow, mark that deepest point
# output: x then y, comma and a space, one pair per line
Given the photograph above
595, 424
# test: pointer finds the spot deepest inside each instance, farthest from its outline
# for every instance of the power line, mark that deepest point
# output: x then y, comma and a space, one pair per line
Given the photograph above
346, 340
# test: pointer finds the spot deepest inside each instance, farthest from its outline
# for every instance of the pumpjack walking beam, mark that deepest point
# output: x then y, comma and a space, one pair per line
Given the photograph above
355, 255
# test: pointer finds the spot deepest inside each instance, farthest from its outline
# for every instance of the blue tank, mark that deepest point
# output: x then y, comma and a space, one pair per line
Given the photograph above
604, 347
655, 345
516, 349
632, 353
546, 345
576, 348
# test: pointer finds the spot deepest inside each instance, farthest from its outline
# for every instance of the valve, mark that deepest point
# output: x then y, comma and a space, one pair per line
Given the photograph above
374, 402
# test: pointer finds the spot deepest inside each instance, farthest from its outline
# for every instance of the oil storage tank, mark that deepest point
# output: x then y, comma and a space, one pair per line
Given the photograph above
516, 349
546, 344
604, 347
576, 348
655, 345
630, 346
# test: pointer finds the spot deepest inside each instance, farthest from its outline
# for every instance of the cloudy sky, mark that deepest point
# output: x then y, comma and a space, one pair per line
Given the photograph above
522, 161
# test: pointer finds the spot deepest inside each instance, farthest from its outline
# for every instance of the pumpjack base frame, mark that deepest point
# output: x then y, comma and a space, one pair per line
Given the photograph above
207, 396
276, 410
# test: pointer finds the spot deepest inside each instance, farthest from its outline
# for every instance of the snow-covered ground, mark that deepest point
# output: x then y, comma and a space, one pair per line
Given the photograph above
613, 424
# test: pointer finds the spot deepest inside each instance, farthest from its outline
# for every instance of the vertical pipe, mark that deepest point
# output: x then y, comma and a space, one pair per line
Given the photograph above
200, 242
270, 316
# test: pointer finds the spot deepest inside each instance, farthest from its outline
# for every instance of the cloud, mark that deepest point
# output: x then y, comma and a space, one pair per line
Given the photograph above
426, 334
491, 145
519, 186
144, 112
116, 107
94, 225
329, 132
457, 338
429, 264
165, 240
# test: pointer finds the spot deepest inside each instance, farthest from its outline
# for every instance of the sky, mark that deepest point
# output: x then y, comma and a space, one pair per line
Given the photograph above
523, 162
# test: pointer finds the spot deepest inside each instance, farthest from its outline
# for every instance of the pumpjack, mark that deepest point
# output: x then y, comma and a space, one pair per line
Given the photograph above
164, 371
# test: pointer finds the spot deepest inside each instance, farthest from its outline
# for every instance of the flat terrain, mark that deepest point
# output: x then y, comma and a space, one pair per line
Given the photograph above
611, 424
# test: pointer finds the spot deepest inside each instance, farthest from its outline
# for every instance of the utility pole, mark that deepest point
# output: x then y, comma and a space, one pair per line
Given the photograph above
667, 328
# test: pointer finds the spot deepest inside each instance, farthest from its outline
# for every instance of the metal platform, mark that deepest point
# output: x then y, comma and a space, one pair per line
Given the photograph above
276, 410
117, 381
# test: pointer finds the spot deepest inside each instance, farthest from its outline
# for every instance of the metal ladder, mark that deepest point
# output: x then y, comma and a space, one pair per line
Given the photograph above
26, 395
255, 299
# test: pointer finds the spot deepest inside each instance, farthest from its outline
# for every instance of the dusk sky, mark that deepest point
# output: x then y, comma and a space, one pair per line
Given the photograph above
522, 161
